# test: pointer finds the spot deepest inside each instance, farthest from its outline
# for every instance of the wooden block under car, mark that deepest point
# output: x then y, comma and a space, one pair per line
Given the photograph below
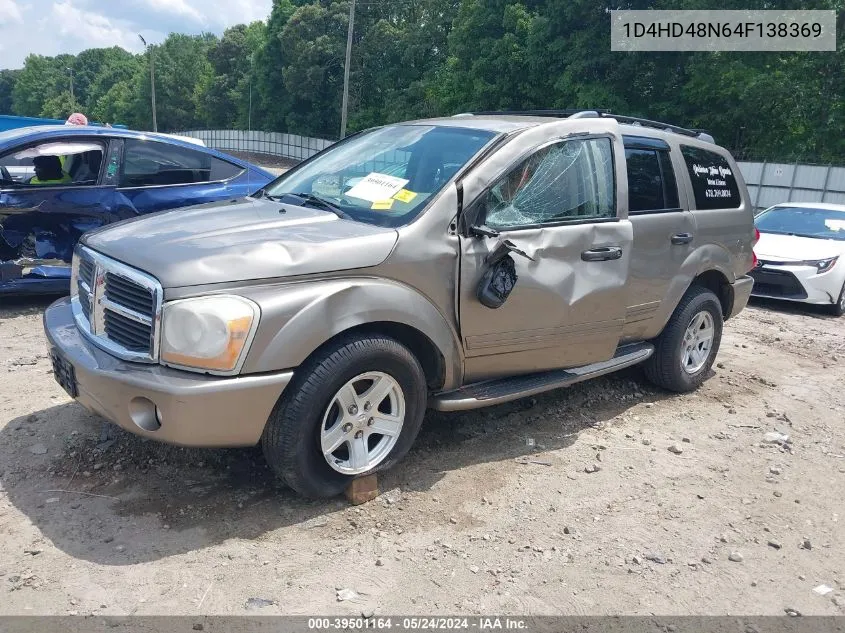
362, 490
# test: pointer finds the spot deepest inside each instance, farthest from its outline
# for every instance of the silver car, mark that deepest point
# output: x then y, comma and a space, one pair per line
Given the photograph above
449, 263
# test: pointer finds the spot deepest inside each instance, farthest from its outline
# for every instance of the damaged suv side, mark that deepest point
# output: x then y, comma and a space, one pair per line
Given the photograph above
453, 263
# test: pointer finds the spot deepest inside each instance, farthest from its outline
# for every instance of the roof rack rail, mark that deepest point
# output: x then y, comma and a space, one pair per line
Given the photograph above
659, 125
548, 113
574, 113
653, 124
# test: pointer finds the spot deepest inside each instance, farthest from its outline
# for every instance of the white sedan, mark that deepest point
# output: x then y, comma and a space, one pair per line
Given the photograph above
801, 254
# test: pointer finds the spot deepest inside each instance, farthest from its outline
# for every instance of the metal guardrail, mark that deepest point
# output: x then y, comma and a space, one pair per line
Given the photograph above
768, 183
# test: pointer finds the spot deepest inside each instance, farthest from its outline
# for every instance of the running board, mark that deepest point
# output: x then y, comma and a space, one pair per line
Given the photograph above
499, 390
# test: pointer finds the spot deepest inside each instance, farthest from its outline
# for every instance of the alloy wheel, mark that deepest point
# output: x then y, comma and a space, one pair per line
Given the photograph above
697, 342
362, 423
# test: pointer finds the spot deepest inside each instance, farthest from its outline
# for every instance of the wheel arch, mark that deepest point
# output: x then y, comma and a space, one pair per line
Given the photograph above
420, 345
297, 323
717, 282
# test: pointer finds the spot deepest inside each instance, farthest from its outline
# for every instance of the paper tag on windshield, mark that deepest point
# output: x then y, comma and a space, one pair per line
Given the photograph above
376, 187
405, 196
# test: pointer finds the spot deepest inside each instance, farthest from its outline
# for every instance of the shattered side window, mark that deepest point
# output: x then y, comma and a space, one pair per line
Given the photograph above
571, 180
67, 162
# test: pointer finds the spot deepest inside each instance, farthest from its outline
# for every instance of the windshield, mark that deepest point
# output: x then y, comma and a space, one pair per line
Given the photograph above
828, 224
384, 177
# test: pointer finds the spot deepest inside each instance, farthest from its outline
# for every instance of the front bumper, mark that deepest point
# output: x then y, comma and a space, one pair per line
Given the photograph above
188, 409
796, 283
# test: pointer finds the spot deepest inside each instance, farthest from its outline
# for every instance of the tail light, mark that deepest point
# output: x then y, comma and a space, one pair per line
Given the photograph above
754, 259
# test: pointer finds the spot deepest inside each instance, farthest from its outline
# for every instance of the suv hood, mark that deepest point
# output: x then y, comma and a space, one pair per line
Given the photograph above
240, 240
784, 248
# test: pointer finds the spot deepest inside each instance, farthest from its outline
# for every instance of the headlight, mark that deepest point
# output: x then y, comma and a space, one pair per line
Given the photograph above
210, 333
822, 265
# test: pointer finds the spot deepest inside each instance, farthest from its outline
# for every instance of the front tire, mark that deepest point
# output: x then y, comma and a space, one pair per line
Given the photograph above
685, 350
353, 409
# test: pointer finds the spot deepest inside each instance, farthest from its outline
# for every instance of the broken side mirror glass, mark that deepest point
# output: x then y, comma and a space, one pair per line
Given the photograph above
500, 277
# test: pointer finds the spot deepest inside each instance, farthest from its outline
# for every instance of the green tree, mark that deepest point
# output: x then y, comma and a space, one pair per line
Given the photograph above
182, 69
226, 94
397, 50
7, 86
40, 80
121, 104
419, 58
272, 104
314, 41
98, 70
60, 106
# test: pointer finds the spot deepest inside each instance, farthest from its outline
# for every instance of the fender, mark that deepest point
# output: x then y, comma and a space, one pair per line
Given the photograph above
298, 318
705, 258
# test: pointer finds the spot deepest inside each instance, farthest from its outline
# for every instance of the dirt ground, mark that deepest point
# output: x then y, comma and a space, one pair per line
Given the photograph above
492, 512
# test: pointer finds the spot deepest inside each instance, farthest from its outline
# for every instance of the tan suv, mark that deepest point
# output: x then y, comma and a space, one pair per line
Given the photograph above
453, 263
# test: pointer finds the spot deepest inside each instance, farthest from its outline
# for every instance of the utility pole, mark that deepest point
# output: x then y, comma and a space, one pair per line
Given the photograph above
152, 80
345, 104
72, 98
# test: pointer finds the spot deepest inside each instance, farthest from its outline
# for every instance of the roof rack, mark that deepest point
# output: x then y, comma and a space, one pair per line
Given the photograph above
600, 114
549, 113
658, 125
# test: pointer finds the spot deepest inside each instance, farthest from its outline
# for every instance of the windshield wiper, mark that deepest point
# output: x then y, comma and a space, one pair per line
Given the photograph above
317, 201
262, 193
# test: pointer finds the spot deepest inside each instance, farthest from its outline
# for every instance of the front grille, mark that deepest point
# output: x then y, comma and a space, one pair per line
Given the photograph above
85, 304
86, 271
126, 332
777, 283
129, 294
117, 306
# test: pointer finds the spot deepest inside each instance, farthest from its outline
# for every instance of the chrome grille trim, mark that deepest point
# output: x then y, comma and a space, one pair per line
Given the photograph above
89, 275
126, 312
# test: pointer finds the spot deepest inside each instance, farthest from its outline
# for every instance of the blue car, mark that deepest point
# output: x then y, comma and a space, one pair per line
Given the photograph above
57, 182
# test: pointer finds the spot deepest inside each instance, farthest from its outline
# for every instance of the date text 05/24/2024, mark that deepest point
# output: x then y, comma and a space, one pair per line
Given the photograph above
480, 623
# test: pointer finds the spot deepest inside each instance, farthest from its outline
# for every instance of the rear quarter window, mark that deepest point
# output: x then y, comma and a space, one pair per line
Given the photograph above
713, 181
151, 163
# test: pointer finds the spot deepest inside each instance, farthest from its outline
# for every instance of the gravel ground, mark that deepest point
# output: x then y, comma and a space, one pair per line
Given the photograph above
607, 498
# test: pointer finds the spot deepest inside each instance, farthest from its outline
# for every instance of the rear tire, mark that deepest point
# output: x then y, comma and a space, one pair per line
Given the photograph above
685, 350
838, 308
327, 395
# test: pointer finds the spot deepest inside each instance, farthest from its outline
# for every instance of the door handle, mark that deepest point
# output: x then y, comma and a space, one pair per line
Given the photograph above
602, 254
681, 238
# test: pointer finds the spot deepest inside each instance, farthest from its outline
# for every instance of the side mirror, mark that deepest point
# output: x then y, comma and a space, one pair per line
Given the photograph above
482, 231
499, 279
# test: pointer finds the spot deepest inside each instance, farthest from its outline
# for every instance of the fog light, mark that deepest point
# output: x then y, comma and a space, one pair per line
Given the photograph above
145, 414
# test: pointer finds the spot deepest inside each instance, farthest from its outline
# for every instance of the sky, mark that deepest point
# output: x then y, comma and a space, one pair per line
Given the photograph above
50, 27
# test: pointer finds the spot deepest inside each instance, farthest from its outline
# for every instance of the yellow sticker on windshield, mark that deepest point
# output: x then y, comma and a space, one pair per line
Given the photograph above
403, 195
382, 204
